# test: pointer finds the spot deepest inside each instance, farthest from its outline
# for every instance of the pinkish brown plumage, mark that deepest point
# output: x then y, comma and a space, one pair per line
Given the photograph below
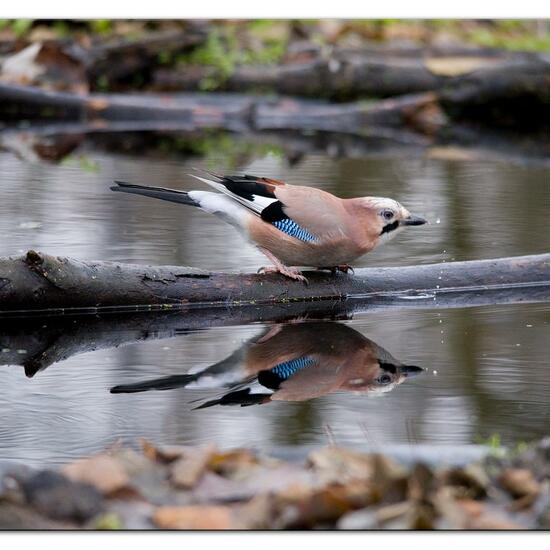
292, 225
293, 362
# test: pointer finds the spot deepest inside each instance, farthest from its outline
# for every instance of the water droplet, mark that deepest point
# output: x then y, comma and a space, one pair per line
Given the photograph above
438, 220
528, 326
435, 373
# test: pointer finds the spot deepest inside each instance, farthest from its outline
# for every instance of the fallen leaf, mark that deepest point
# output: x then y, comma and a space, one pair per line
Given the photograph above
187, 470
519, 482
336, 464
213, 488
301, 507
471, 479
232, 463
193, 517
164, 454
103, 472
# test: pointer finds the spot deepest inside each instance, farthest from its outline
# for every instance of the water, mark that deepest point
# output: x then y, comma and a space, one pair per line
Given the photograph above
486, 369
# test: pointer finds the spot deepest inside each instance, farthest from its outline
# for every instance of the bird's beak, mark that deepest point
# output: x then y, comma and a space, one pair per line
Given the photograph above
410, 370
414, 220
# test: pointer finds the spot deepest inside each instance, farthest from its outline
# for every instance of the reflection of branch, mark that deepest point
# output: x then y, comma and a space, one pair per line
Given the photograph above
38, 342
52, 141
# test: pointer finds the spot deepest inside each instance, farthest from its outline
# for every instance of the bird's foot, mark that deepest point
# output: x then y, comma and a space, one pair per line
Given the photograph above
291, 272
344, 268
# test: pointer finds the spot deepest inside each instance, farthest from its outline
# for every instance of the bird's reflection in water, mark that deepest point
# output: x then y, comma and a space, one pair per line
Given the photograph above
293, 362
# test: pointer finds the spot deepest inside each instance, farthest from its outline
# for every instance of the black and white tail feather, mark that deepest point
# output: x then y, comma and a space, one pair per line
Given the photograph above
162, 193
236, 195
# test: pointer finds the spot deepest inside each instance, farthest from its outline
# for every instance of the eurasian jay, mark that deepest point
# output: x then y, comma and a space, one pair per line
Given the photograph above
293, 362
293, 225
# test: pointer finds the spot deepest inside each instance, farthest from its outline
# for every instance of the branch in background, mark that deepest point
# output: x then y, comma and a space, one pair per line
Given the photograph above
419, 113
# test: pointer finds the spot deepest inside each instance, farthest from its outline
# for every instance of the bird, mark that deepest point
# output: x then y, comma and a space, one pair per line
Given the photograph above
295, 361
292, 225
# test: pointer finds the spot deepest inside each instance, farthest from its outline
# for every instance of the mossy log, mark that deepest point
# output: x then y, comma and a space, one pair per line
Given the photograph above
40, 283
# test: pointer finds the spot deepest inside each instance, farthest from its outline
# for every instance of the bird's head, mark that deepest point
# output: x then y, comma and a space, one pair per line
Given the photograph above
382, 379
386, 217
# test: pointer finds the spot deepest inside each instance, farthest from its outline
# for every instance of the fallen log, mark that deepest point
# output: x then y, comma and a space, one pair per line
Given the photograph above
222, 111
40, 283
351, 74
500, 89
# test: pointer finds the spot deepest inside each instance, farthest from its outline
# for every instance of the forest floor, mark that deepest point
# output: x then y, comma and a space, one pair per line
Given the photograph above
332, 488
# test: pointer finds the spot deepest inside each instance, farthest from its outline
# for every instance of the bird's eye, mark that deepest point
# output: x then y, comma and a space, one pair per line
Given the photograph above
384, 379
387, 214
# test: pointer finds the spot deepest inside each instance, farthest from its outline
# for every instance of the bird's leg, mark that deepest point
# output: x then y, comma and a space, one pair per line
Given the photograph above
279, 267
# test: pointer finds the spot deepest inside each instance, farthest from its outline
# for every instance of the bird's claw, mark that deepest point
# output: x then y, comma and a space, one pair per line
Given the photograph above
291, 272
344, 268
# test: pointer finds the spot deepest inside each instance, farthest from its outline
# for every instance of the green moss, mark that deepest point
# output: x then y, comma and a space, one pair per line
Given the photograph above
216, 148
85, 163
109, 522
230, 150
61, 29
218, 52
225, 49
18, 26
102, 83
101, 26
493, 441
164, 58
508, 34
525, 42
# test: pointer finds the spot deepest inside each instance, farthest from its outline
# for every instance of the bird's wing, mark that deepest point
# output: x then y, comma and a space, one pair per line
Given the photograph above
314, 210
307, 213
319, 379
255, 193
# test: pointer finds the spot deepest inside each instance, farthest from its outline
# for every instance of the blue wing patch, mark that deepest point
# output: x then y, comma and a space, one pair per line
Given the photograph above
291, 228
289, 368
273, 378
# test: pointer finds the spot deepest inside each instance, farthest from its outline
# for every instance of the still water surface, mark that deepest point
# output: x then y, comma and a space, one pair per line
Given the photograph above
486, 369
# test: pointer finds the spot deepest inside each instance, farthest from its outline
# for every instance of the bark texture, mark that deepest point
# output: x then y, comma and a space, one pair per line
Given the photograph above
39, 282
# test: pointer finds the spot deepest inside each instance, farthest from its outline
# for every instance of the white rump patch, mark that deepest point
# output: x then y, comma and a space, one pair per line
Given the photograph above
222, 206
257, 205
